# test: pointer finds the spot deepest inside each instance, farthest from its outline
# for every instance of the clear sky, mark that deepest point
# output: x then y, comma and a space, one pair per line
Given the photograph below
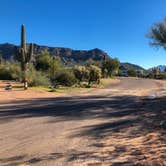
119, 27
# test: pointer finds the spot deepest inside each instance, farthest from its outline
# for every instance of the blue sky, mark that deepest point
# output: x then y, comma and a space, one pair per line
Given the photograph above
119, 27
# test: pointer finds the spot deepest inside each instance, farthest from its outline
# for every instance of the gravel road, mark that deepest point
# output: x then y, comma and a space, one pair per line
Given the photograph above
110, 126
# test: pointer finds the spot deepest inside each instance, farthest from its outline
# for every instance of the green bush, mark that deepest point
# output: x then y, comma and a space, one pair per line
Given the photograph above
16, 72
162, 76
110, 67
10, 71
94, 74
64, 77
37, 78
5, 73
55, 66
132, 73
43, 61
92, 62
81, 73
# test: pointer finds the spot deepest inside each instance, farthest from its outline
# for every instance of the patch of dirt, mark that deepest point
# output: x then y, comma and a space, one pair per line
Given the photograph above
112, 126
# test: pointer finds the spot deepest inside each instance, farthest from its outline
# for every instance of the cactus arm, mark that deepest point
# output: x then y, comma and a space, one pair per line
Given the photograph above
29, 53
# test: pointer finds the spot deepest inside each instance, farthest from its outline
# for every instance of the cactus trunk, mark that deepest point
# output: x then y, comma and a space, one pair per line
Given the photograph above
24, 56
23, 38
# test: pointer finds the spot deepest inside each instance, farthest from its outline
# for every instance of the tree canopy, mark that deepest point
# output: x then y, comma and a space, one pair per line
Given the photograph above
157, 34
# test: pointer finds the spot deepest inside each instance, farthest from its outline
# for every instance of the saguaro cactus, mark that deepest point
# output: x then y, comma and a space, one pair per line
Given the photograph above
24, 56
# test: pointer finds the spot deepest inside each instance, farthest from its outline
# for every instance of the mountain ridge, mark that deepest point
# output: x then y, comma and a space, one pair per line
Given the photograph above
162, 68
7, 52
130, 66
68, 55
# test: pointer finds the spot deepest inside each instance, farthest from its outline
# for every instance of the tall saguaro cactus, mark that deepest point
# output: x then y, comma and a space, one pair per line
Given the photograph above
24, 56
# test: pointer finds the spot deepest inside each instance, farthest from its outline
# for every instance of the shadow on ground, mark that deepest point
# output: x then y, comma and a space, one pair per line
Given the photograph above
134, 120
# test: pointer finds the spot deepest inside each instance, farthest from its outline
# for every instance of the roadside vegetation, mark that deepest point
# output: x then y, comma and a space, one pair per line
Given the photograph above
50, 72
44, 70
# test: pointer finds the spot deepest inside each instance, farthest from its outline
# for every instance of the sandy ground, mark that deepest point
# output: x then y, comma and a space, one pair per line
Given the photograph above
112, 126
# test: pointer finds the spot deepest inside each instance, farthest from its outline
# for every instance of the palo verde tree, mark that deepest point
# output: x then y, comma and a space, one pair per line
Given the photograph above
43, 61
23, 56
157, 34
110, 67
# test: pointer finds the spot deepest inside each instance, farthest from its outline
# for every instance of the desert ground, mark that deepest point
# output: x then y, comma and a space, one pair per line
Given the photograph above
109, 126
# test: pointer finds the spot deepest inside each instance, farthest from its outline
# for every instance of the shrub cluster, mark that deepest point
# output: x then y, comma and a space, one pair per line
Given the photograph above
47, 70
10, 71
64, 77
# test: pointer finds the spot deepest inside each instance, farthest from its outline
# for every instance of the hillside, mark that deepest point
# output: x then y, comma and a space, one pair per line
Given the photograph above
129, 66
162, 68
68, 54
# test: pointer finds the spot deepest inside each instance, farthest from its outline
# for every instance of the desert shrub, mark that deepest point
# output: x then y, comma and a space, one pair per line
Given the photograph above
162, 76
43, 61
120, 72
55, 66
110, 67
37, 78
155, 71
132, 73
92, 62
5, 73
81, 73
10, 71
64, 77
16, 72
94, 74
149, 75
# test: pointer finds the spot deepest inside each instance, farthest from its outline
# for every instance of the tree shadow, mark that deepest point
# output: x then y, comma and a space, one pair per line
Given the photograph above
25, 159
69, 108
125, 118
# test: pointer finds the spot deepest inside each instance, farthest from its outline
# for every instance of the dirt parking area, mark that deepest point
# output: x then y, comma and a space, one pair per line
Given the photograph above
116, 125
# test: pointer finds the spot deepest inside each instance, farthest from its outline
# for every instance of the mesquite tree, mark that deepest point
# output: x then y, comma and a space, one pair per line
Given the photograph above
24, 56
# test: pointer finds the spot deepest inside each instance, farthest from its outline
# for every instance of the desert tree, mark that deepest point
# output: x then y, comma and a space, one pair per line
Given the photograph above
157, 34
55, 66
132, 73
110, 67
43, 61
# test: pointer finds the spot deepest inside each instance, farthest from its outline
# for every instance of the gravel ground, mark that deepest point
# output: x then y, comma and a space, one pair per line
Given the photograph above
112, 126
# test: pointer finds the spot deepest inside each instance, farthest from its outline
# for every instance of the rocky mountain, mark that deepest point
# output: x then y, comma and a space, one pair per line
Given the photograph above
68, 54
129, 66
160, 67
6, 50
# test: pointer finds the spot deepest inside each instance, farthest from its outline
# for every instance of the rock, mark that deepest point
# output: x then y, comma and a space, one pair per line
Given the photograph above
8, 87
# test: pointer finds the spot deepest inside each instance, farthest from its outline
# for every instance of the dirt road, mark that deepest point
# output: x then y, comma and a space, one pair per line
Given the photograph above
112, 126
